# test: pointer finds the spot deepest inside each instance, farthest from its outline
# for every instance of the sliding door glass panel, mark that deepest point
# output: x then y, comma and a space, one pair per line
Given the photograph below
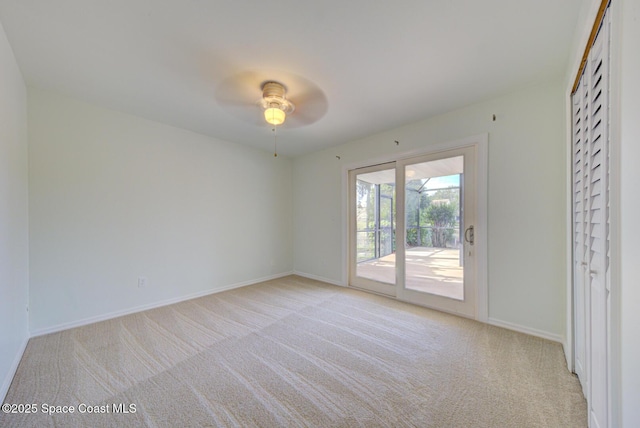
434, 220
374, 221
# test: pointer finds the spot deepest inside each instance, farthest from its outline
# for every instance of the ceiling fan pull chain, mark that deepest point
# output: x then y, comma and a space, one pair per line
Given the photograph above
275, 142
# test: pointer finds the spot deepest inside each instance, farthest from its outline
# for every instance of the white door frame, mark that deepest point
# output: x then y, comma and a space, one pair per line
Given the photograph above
481, 142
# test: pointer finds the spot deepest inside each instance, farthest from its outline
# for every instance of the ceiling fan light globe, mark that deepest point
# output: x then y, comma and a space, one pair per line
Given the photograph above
274, 116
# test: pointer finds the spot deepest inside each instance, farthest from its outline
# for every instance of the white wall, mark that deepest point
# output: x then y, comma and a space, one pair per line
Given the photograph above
629, 211
14, 234
114, 197
526, 206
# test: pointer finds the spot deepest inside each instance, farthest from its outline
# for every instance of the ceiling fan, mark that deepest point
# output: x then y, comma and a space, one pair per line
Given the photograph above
277, 97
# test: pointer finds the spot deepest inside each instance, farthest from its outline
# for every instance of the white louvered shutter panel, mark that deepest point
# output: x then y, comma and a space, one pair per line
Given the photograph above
579, 263
597, 220
591, 231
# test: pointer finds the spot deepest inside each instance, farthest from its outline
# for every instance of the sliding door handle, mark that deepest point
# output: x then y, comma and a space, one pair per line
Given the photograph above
468, 235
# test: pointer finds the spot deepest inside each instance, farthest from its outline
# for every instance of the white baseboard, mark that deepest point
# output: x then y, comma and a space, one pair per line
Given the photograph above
319, 278
527, 330
116, 314
6, 383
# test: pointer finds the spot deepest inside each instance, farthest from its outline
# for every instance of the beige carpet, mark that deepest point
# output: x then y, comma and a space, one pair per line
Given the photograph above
296, 352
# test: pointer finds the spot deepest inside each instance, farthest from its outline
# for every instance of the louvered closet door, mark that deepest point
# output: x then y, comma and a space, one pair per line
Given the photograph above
580, 286
591, 228
598, 220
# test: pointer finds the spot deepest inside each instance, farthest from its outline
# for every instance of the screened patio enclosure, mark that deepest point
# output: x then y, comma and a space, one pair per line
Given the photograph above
433, 208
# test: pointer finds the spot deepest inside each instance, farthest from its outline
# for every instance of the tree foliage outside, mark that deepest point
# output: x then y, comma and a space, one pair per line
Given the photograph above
427, 224
432, 217
375, 224
442, 216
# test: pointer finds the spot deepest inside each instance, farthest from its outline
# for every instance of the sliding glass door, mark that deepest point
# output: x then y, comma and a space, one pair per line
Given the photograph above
415, 240
433, 221
373, 225
437, 267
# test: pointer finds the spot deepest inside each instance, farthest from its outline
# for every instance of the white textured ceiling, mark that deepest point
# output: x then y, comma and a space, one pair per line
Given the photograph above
380, 64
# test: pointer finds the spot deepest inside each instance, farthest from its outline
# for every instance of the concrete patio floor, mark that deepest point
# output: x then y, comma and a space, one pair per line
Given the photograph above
429, 270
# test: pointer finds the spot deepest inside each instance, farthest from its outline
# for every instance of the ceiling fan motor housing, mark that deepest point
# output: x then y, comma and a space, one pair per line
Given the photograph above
274, 96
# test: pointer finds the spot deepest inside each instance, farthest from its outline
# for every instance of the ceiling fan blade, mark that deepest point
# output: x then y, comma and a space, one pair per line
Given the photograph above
311, 106
239, 89
238, 95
